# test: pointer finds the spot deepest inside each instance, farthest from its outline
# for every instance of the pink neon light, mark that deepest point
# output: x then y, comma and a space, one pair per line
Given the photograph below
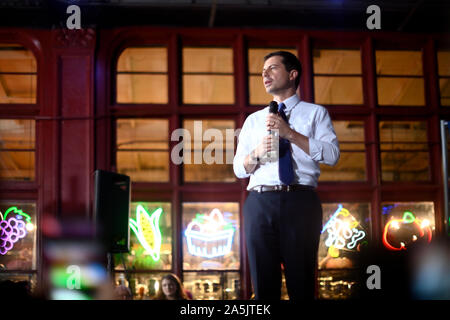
11, 231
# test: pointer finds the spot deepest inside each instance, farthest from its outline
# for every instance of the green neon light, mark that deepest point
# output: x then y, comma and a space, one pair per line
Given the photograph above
146, 228
17, 211
408, 217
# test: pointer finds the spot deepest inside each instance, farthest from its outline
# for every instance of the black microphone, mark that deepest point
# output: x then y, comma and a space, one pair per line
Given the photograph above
273, 155
273, 108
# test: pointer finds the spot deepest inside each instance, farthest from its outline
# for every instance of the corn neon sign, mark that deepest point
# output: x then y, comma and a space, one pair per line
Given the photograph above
146, 228
209, 236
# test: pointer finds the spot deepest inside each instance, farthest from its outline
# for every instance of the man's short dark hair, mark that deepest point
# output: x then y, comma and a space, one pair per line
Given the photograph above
290, 62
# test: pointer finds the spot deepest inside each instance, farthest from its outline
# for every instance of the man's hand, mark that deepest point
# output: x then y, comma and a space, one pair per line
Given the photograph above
275, 122
255, 157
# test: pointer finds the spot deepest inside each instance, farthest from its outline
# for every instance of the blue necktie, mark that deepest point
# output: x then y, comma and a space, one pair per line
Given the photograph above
285, 169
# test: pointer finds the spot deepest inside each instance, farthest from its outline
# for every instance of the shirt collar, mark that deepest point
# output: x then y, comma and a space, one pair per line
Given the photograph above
291, 102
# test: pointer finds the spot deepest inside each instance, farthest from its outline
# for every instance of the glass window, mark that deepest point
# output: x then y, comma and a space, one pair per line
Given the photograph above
208, 76
406, 224
208, 150
143, 149
211, 236
337, 76
18, 74
400, 78
444, 76
404, 151
142, 75
257, 92
143, 286
150, 238
352, 163
17, 149
17, 235
345, 232
212, 285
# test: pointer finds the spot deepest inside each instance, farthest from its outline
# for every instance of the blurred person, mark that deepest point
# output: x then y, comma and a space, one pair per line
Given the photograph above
171, 288
431, 271
122, 292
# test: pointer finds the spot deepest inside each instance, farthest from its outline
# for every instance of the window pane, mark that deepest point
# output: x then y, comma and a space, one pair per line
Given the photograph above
327, 61
407, 223
17, 235
213, 285
444, 82
404, 151
209, 160
444, 85
142, 88
211, 236
208, 76
257, 92
391, 62
143, 149
17, 155
352, 163
17, 88
150, 237
338, 90
17, 74
208, 60
208, 89
143, 286
329, 89
401, 91
143, 59
346, 231
400, 81
142, 75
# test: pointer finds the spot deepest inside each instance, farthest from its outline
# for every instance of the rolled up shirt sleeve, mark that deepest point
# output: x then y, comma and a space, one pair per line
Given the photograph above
242, 151
324, 146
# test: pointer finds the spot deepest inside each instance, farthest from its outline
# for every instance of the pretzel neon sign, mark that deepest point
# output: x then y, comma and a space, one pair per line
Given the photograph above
343, 232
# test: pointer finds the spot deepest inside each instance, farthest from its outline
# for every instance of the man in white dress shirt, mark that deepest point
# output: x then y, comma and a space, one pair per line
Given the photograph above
283, 214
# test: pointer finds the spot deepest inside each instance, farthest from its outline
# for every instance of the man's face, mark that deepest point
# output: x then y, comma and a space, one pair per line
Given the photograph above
275, 76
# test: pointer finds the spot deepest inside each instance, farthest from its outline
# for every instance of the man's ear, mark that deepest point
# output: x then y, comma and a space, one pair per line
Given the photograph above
293, 74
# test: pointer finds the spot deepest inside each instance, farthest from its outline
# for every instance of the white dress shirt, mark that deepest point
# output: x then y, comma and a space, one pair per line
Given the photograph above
312, 121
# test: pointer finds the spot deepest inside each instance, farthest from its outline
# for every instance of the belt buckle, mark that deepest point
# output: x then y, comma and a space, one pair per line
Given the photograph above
259, 189
278, 187
288, 188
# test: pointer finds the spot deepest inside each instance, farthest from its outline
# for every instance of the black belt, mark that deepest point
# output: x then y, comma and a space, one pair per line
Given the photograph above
282, 188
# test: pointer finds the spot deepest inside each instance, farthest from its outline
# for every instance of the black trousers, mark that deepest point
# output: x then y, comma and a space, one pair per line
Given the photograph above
283, 227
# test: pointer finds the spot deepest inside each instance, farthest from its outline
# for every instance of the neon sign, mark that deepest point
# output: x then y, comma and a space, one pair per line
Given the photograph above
146, 228
343, 232
209, 236
398, 233
13, 229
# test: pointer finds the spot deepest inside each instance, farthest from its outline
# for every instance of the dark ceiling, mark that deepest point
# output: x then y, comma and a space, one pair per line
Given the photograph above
408, 16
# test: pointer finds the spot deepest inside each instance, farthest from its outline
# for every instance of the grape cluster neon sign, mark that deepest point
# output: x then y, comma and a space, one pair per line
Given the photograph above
343, 232
146, 228
209, 236
13, 229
